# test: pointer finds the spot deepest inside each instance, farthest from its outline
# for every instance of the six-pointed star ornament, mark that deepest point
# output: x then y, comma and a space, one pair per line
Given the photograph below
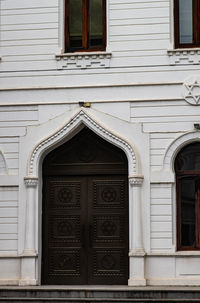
191, 90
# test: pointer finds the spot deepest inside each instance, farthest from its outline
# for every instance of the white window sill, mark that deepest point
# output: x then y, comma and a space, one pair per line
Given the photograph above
83, 60
184, 253
184, 56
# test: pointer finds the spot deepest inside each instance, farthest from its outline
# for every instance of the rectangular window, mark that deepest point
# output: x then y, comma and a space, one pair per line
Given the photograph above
85, 25
188, 234
187, 23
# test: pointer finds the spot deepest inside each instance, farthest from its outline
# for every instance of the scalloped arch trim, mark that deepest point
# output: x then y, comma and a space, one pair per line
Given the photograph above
97, 127
176, 146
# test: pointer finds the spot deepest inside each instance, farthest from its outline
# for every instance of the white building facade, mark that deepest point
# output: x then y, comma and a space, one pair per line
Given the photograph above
140, 92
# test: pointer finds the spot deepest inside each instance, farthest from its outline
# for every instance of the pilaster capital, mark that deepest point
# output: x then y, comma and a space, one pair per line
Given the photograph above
31, 181
136, 180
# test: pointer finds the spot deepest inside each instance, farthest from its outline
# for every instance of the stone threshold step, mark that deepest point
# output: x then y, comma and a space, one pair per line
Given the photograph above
95, 300
96, 294
98, 290
185, 296
101, 288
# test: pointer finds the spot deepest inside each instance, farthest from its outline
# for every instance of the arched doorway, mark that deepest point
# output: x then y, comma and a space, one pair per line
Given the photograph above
85, 226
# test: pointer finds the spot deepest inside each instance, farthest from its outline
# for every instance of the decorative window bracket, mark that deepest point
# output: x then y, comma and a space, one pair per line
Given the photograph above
83, 60
184, 56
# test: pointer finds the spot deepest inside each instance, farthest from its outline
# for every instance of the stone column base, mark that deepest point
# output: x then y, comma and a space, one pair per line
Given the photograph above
28, 271
137, 277
27, 282
137, 282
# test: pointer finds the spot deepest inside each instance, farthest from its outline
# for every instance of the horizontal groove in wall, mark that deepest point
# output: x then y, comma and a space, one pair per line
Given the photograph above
31, 13
15, 25
28, 8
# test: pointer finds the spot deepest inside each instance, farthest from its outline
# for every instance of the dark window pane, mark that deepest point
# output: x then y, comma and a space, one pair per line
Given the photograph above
189, 158
186, 21
75, 23
188, 212
96, 23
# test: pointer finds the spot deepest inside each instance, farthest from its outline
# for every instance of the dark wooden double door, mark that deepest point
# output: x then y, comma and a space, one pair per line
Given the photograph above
85, 213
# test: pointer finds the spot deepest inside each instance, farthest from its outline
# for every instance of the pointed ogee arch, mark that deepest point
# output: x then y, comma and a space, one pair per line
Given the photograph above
83, 117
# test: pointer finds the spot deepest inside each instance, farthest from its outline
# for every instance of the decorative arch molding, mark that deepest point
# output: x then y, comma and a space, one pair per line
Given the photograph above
3, 166
102, 125
83, 117
176, 146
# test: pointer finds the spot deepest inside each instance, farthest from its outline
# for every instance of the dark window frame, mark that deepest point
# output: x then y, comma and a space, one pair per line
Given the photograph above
196, 26
187, 173
193, 175
85, 28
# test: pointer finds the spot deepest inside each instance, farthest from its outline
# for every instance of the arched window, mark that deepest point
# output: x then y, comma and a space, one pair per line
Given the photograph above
85, 25
187, 167
187, 23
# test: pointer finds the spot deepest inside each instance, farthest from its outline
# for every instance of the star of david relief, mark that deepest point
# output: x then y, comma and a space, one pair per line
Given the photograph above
108, 194
64, 261
108, 261
191, 90
65, 195
108, 228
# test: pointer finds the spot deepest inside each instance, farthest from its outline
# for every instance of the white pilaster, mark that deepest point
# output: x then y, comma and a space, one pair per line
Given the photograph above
31, 185
28, 265
137, 253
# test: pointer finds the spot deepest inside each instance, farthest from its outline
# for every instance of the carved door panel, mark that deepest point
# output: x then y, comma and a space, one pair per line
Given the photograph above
64, 215
108, 230
85, 230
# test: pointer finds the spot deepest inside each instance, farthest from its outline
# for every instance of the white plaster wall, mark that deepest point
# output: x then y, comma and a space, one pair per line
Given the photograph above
8, 220
30, 33
139, 95
172, 270
10, 270
157, 200
139, 37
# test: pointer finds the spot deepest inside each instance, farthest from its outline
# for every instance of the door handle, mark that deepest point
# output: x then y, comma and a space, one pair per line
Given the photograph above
83, 235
